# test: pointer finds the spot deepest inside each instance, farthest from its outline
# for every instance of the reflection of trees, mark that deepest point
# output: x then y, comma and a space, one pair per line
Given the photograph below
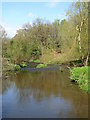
46, 83
79, 103
78, 98
39, 85
0, 86
6, 83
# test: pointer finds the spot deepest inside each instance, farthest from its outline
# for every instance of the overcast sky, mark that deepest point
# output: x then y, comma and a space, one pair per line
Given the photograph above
15, 14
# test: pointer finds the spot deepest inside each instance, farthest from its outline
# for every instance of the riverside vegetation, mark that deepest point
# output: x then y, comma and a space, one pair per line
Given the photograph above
80, 75
51, 43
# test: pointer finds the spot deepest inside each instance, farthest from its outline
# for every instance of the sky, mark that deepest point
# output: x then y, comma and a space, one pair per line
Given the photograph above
15, 14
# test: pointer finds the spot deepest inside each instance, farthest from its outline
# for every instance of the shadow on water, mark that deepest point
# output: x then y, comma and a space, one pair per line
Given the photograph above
43, 93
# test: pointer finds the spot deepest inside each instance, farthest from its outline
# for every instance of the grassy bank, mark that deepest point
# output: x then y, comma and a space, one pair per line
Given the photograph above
81, 76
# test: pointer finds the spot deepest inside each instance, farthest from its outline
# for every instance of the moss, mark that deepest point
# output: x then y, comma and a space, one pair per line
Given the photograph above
80, 75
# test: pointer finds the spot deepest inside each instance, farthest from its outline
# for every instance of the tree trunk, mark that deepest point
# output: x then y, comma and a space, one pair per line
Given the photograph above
79, 40
86, 62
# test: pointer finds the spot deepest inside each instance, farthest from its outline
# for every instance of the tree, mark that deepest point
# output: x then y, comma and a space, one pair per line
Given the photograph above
3, 33
3, 41
78, 13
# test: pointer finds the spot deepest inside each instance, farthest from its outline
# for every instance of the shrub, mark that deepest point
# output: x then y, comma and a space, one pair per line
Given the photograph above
80, 75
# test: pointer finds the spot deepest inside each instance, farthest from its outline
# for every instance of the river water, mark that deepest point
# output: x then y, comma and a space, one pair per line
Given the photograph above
42, 93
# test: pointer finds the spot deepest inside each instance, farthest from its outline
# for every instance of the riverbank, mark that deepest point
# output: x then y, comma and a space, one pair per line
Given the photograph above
77, 74
80, 75
47, 58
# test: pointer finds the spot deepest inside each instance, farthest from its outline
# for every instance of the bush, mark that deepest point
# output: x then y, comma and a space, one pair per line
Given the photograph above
13, 67
80, 75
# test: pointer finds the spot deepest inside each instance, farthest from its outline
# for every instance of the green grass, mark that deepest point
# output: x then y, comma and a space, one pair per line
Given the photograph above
41, 66
81, 76
36, 61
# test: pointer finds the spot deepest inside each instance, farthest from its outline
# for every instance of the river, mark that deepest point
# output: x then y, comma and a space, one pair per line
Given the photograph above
42, 93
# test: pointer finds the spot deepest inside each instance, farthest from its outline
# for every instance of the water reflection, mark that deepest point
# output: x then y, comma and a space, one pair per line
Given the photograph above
43, 94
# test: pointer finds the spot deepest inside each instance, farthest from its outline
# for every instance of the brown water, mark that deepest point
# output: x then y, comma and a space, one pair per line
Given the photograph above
43, 94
